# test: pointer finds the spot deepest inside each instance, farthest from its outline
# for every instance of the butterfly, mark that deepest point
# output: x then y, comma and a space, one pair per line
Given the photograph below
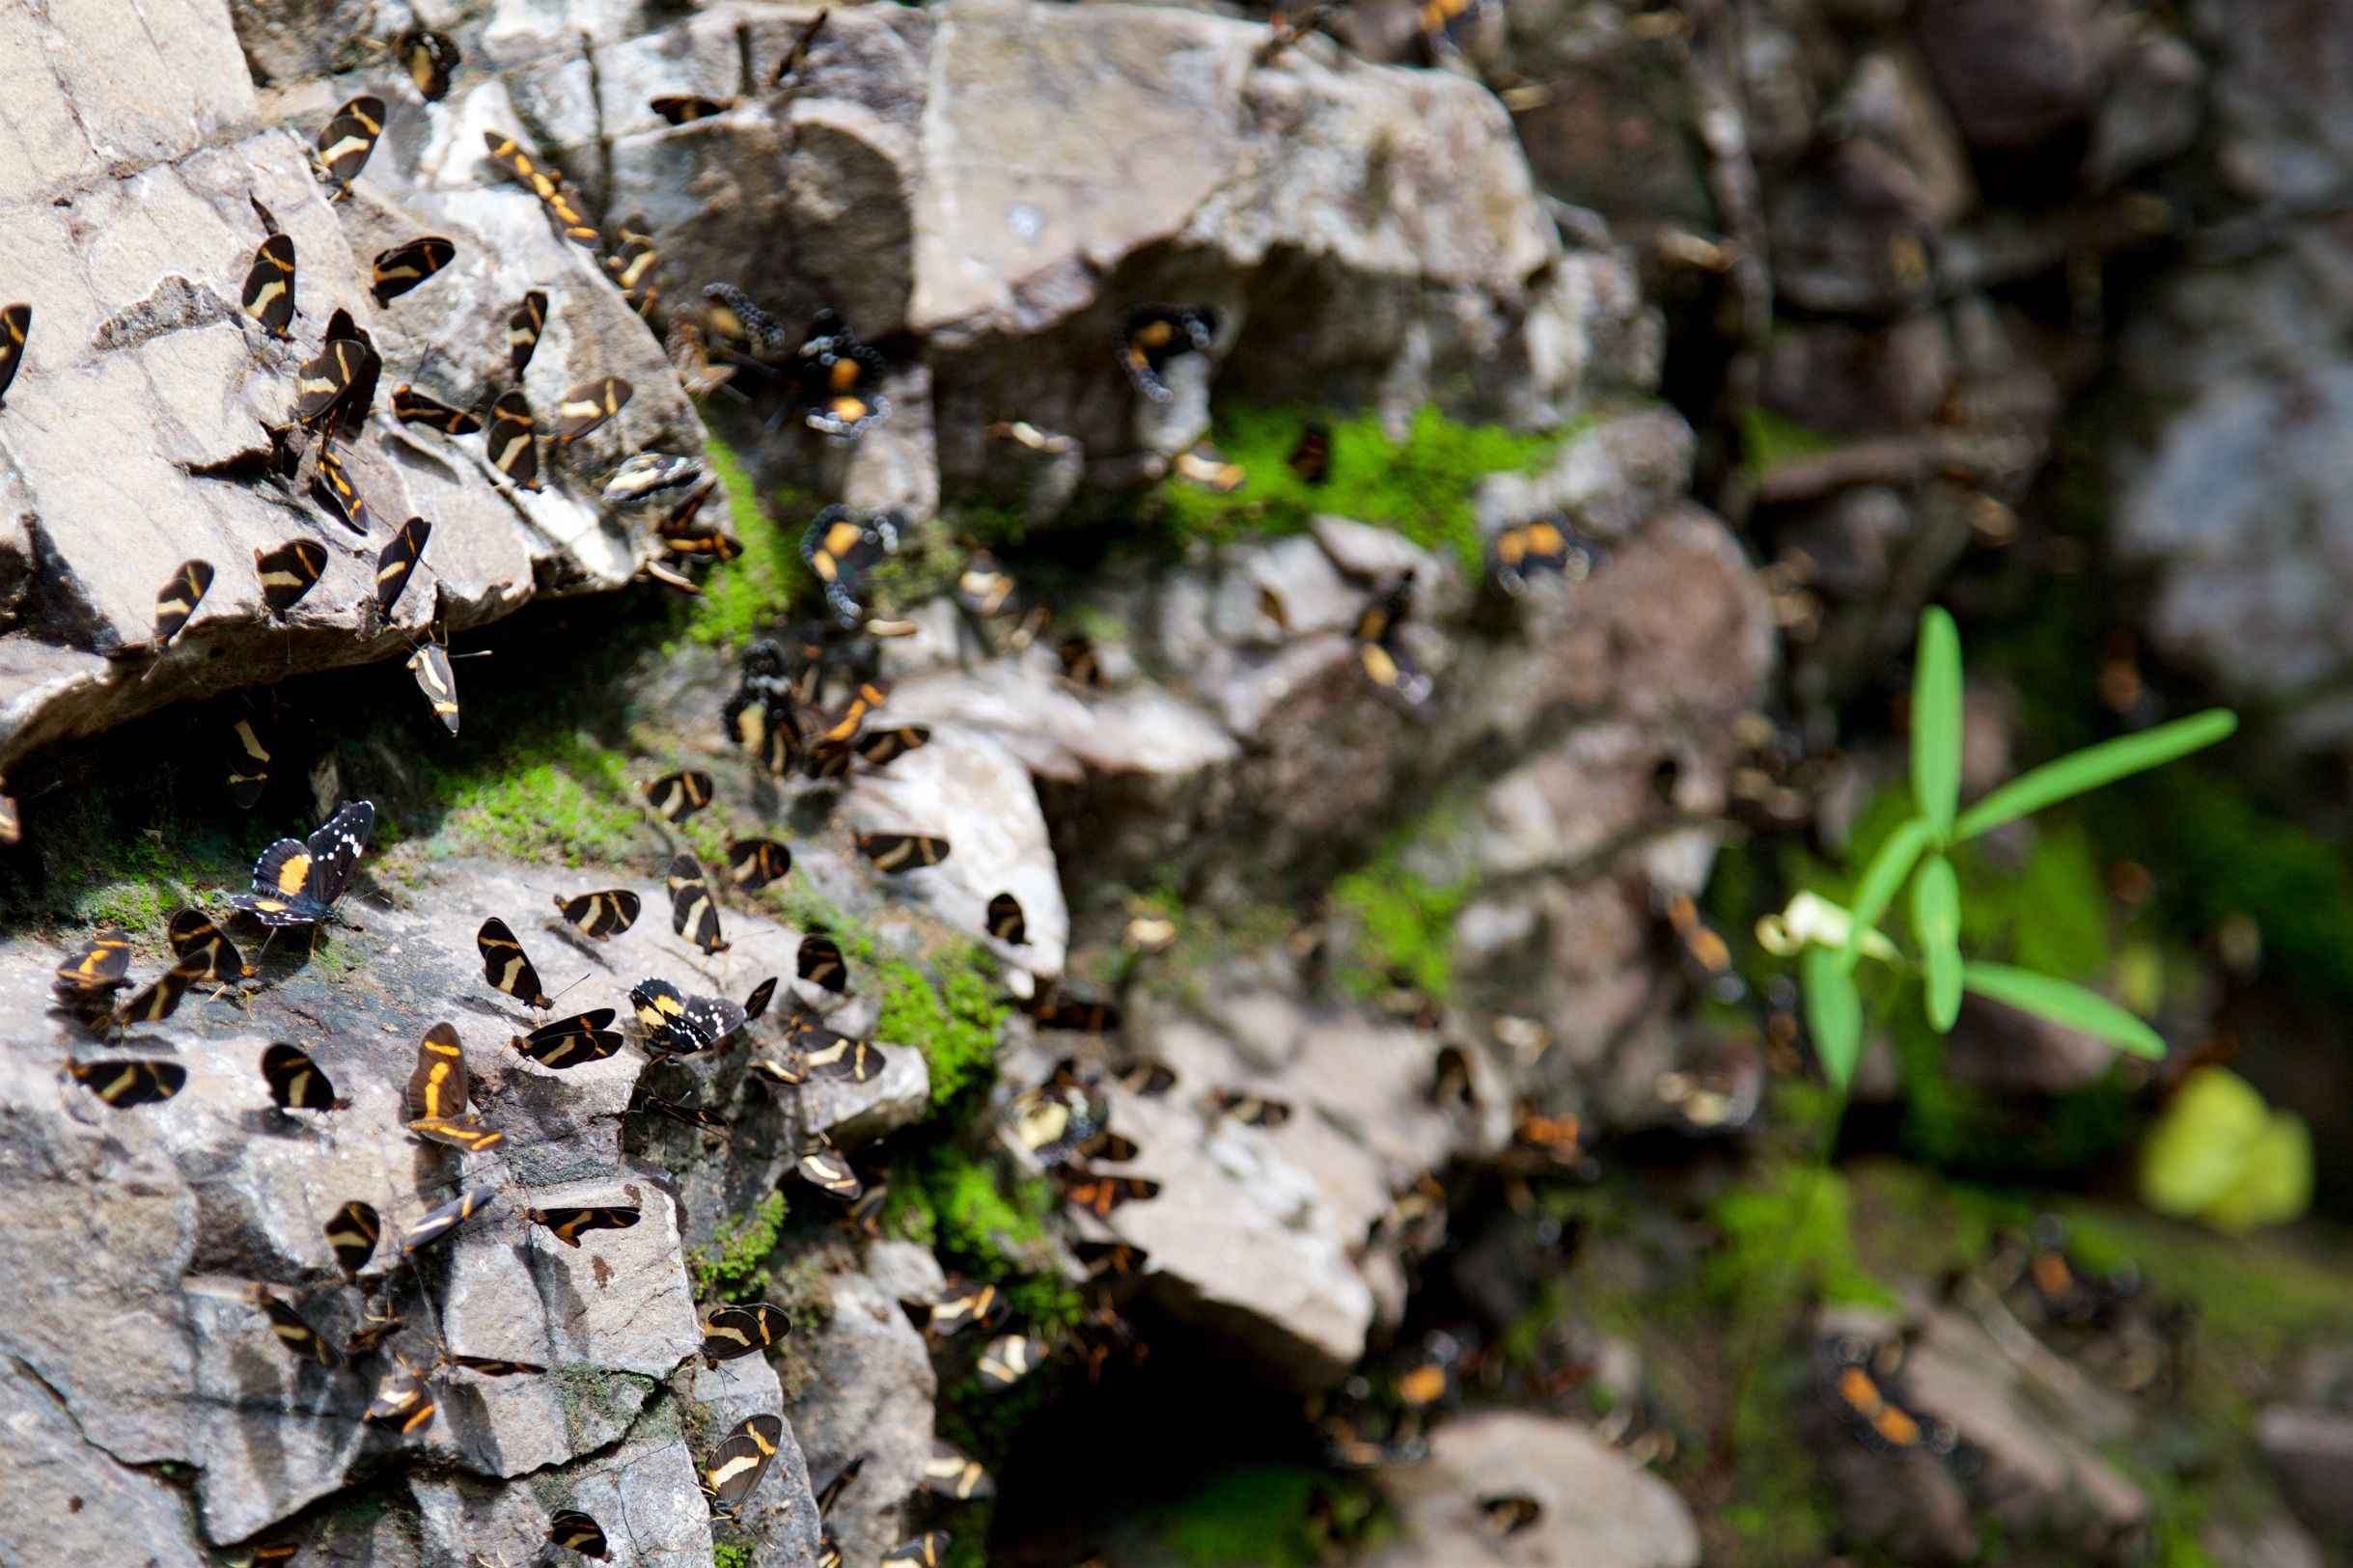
732, 1330
952, 1473
15, 320
193, 936
430, 665
567, 1224
506, 966
752, 864
1153, 335
294, 1331
406, 265
432, 60
297, 881
568, 1042
178, 599
397, 560
446, 1218
735, 1468
576, 1531
600, 914
269, 284
347, 139
352, 1234
297, 1082
674, 1023
130, 1081
587, 405
1005, 921
413, 407
842, 546
902, 851
523, 328
402, 1402
837, 374
693, 915
678, 796
509, 444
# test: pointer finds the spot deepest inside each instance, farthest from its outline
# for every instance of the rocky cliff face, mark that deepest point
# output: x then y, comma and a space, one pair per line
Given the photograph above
1381, 961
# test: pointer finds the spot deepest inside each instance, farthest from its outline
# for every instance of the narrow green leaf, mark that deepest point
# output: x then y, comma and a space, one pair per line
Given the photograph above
1894, 862
2063, 1003
1936, 721
2092, 767
1834, 1014
1936, 920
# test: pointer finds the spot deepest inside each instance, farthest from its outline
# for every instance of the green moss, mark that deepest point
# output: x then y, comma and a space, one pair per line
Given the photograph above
1787, 1234
2051, 915
1401, 924
572, 804
1770, 440
740, 597
734, 1554
1251, 1514
1422, 488
734, 1267
953, 1016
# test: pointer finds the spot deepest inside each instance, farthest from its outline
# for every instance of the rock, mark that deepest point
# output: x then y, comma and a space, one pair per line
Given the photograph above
870, 1394
782, 1516
1268, 1237
641, 1492
2014, 72
2031, 1420
1599, 1510
970, 790
2312, 1451
1606, 481
59, 1493
145, 389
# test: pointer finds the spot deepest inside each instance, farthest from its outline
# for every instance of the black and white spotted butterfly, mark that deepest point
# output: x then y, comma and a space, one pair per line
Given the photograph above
297, 881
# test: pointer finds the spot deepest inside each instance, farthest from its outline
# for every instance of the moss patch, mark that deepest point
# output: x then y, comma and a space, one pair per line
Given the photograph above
1421, 489
734, 1266
953, 1016
1252, 1514
573, 804
1399, 922
742, 596
734, 1554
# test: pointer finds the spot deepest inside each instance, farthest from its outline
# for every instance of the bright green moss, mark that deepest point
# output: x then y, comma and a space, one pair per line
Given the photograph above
740, 597
1402, 926
734, 1554
1786, 1233
734, 1267
572, 804
953, 1020
1422, 488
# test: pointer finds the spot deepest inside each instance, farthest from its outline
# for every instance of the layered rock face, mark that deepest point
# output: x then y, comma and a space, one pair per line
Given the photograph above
1379, 964
987, 188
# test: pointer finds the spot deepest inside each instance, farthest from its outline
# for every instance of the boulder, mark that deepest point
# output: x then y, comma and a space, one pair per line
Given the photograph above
1596, 1508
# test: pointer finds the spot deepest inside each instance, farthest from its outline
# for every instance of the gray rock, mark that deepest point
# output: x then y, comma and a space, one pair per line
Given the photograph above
1599, 1509
1259, 1235
61, 1495
2312, 1451
145, 389
871, 1395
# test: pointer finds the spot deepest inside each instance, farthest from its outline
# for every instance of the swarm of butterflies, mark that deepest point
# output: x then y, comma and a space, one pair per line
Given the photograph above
810, 710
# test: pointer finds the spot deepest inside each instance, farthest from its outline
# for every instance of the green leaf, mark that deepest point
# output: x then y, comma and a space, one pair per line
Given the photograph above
1936, 721
1897, 853
2092, 767
1834, 1014
1936, 921
2069, 1005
